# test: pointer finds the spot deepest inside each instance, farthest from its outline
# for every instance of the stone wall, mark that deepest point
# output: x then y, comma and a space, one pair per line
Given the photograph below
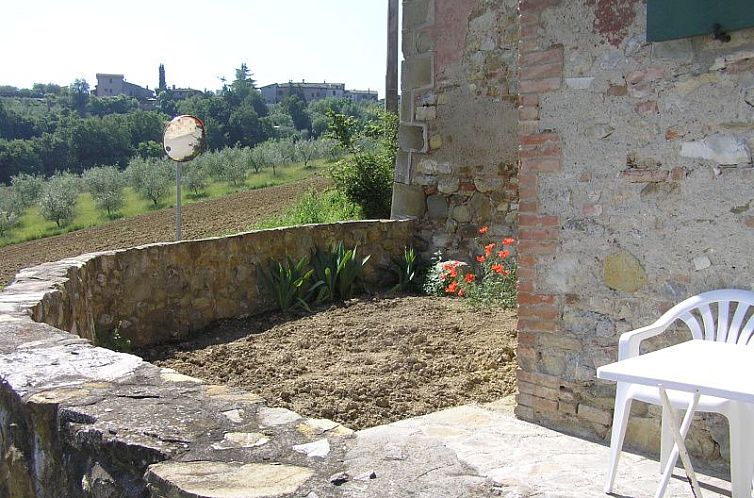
456, 168
162, 292
85, 422
636, 192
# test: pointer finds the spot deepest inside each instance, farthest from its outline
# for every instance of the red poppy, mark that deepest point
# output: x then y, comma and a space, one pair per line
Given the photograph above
461, 293
503, 254
498, 269
484, 230
452, 288
488, 249
469, 277
481, 259
509, 241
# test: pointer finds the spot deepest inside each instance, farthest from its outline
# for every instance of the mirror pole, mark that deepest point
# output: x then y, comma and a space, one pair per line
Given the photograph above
177, 201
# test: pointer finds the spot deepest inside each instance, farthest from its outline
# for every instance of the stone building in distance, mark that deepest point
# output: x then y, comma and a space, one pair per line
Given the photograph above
110, 85
310, 92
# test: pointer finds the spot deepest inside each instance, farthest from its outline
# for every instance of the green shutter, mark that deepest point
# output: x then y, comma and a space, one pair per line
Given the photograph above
670, 19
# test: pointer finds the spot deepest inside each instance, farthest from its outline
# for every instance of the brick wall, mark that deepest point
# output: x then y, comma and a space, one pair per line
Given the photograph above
635, 193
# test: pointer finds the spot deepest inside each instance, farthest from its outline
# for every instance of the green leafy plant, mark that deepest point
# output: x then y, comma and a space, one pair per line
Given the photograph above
290, 283
339, 269
495, 283
112, 340
406, 269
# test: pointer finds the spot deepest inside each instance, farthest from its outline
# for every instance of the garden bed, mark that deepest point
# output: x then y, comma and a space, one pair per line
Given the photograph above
362, 363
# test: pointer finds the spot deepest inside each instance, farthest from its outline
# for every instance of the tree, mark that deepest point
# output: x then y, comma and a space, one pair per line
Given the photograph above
150, 149
8, 211
296, 107
58, 198
150, 178
308, 150
26, 189
106, 186
194, 177
162, 85
79, 94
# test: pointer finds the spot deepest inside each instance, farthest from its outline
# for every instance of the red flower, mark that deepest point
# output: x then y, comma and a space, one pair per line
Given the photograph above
481, 259
484, 230
461, 293
469, 277
451, 289
509, 241
488, 249
503, 254
442, 276
453, 272
498, 269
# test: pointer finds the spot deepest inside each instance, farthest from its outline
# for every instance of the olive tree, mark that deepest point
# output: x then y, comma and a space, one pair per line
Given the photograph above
106, 186
58, 198
26, 189
151, 178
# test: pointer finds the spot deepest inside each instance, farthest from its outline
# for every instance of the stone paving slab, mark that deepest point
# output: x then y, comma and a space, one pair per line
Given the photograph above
483, 450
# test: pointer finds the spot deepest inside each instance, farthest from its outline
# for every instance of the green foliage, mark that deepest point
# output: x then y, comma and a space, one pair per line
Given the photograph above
344, 129
106, 185
26, 189
151, 178
406, 269
150, 148
8, 210
58, 198
340, 269
290, 283
112, 340
316, 207
366, 178
495, 290
194, 176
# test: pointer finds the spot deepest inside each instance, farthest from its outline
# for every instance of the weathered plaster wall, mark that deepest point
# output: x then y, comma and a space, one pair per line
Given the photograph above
161, 292
637, 191
456, 169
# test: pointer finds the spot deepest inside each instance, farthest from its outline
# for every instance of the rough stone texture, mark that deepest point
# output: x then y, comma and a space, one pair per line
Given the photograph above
83, 421
162, 292
643, 149
465, 162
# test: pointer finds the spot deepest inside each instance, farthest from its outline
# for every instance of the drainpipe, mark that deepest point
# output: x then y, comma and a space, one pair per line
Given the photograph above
391, 78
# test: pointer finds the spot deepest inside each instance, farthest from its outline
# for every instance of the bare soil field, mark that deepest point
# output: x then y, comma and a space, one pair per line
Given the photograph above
362, 363
230, 214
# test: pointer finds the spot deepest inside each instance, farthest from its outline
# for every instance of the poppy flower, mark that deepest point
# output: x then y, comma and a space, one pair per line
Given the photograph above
481, 259
509, 241
488, 249
451, 289
484, 230
469, 277
503, 254
498, 269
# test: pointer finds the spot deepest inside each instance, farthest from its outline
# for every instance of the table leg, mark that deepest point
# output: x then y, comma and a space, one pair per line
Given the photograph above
679, 448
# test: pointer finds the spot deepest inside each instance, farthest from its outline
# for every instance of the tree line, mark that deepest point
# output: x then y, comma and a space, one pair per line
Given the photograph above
50, 128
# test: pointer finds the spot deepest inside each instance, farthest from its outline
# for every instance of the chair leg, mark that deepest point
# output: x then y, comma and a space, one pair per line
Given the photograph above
666, 435
741, 450
618, 434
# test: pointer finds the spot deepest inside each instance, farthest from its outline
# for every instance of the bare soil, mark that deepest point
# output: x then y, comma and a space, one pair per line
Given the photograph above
230, 214
362, 363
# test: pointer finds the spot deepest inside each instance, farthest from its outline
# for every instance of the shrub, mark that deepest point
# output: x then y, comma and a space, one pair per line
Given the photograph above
26, 189
367, 180
106, 186
316, 207
8, 220
151, 178
406, 268
8, 210
58, 198
194, 177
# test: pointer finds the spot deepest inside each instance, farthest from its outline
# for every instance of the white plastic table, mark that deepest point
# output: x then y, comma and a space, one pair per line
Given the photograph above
699, 367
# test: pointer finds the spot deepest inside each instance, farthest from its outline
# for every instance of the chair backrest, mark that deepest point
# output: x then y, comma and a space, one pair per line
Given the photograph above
725, 315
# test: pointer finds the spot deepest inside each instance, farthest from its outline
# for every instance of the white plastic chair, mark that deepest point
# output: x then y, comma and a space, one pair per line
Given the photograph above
721, 315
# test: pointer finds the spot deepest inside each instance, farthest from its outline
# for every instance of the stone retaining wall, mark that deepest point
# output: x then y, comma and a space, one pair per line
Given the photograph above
82, 421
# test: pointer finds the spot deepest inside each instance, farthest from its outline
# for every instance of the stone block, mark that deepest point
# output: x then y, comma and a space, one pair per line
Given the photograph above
417, 73
411, 137
408, 201
437, 207
403, 167
623, 272
448, 185
722, 149
673, 50
415, 13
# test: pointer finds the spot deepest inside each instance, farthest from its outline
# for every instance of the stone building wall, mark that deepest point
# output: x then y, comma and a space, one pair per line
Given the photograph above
162, 292
456, 168
637, 191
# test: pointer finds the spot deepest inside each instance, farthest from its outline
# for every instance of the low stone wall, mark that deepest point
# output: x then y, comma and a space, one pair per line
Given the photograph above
162, 292
82, 421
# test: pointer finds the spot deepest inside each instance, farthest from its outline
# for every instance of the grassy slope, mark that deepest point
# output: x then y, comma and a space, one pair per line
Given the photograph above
33, 226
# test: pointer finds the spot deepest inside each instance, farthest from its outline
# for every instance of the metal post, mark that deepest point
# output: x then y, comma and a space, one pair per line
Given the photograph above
177, 201
391, 78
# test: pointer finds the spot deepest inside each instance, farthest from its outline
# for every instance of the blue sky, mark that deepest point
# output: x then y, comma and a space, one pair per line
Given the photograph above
199, 42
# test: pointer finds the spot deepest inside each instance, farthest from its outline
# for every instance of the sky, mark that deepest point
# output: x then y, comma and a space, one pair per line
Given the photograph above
51, 41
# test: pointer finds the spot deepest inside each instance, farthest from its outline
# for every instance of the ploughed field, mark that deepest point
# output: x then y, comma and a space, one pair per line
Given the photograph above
230, 214
362, 363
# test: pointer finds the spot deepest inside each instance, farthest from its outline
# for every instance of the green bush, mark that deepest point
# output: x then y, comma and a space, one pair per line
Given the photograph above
151, 178
339, 269
316, 207
290, 283
26, 189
